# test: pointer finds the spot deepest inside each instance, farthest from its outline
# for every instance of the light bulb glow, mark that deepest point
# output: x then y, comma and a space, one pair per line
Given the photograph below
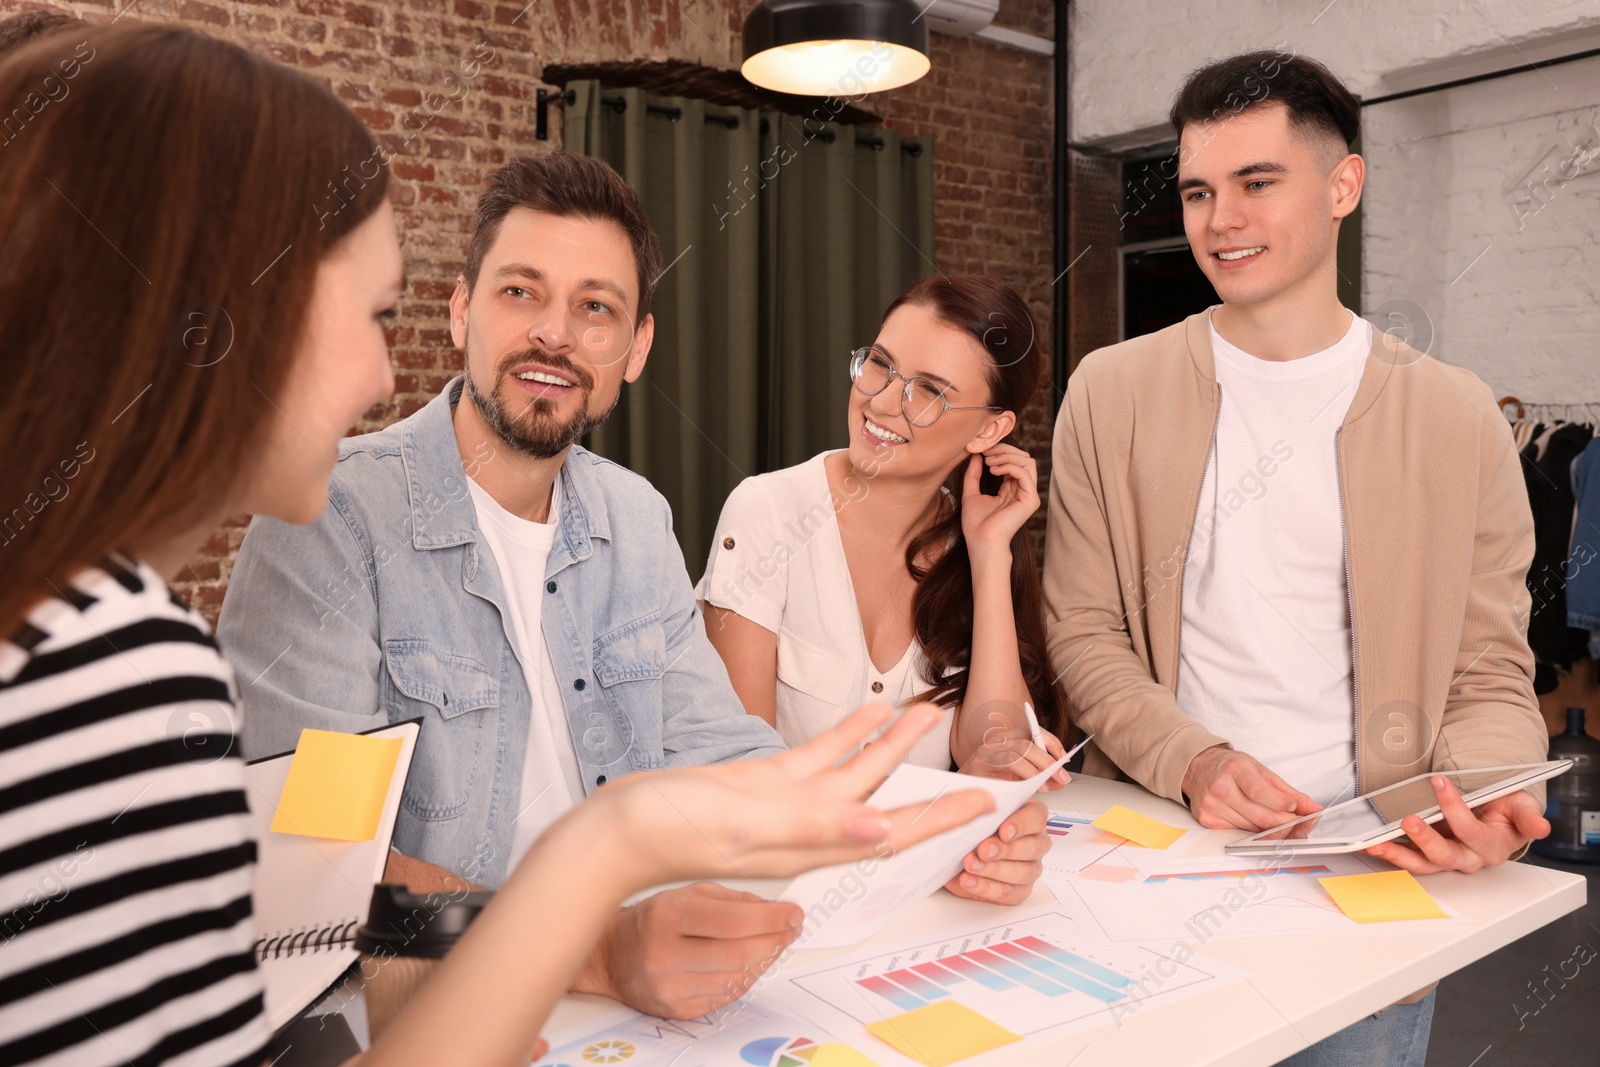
841, 68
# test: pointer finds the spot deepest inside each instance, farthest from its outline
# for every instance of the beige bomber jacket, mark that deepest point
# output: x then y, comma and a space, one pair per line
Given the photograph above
1438, 538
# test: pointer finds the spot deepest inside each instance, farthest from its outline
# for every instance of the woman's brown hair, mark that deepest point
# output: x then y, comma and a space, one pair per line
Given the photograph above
993, 314
165, 199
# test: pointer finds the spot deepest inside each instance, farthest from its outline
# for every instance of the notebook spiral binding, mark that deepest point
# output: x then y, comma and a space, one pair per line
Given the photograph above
302, 942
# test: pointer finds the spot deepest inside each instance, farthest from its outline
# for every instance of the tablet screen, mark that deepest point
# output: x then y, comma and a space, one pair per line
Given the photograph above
1368, 816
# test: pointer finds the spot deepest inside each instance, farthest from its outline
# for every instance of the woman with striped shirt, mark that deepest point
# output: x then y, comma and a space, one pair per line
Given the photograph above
197, 258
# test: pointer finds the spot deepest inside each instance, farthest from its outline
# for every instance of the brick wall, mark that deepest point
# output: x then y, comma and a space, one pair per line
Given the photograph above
448, 86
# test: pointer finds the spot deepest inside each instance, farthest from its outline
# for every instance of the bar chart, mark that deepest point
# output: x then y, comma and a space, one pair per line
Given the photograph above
1032, 974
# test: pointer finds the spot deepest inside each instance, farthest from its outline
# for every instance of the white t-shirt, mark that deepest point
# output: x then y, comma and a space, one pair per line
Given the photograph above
551, 780
1265, 650
778, 560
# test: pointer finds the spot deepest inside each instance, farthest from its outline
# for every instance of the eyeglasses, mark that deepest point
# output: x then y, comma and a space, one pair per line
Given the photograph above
922, 402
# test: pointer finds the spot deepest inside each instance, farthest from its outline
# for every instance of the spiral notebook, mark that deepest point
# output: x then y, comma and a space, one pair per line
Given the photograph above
311, 893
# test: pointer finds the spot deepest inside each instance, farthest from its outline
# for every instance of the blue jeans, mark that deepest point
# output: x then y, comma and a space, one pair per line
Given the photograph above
1397, 1036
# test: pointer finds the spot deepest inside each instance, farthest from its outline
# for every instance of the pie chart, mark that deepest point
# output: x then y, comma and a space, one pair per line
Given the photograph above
801, 1052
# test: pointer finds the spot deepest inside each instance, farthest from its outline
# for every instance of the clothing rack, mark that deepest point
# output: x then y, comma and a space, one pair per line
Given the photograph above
1516, 410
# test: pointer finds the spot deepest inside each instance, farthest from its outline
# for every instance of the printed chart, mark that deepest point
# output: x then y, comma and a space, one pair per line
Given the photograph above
982, 988
1215, 899
743, 1034
1081, 850
1074, 844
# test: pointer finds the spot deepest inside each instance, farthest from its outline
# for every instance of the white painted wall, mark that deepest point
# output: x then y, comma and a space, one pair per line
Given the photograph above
1509, 168
1483, 211
1130, 56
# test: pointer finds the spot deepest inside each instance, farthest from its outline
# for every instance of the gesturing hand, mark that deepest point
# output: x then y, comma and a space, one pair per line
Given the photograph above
777, 817
989, 522
1228, 790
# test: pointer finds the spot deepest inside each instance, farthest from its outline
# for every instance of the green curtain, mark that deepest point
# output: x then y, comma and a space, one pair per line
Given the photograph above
784, 239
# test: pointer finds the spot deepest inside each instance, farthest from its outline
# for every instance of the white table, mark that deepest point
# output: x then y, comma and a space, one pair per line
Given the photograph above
1299, 990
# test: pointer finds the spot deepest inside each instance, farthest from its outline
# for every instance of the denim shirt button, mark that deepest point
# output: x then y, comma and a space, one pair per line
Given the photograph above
550, 587
578, 684
600, 780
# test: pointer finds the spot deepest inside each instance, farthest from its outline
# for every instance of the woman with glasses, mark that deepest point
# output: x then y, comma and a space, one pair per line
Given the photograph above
883, 571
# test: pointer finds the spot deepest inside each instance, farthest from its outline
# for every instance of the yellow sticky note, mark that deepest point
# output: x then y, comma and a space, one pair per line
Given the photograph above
942, 1033
1384, 897
836, 1055
1140, 829
336, 785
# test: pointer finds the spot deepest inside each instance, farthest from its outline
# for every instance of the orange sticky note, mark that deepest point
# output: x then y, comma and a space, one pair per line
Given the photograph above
942, 1033
1384, 897
1140, 829
336, 785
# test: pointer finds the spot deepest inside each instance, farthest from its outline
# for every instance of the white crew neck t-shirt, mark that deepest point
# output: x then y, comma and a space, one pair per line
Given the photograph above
551, 779
1265, 657
778, 560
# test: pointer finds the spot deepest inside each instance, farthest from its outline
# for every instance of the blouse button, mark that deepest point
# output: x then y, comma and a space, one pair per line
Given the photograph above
727, 542
877, 687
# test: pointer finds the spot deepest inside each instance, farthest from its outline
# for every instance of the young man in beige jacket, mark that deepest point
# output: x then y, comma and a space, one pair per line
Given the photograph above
1286, 555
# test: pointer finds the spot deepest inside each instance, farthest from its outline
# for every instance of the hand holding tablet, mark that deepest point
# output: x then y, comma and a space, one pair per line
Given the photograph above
1408, 807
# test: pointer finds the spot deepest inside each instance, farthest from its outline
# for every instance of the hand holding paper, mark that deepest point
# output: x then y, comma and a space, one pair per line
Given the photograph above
847, 903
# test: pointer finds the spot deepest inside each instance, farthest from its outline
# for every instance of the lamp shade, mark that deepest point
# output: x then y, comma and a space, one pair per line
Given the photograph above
834, 47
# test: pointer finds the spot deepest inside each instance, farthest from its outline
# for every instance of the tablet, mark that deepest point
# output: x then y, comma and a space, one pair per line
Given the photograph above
1375, 818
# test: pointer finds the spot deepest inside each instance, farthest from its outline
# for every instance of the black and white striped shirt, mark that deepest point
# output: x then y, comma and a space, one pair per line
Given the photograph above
126, 847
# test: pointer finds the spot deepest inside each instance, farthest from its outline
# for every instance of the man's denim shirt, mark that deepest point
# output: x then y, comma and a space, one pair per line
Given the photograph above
388, 608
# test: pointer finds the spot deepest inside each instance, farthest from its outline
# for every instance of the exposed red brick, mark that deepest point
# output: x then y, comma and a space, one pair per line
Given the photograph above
987, 107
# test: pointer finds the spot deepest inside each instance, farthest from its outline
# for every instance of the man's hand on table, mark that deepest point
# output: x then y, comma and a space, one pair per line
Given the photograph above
1003, 868
685, 952
1230, 790
1468, 839
422, 877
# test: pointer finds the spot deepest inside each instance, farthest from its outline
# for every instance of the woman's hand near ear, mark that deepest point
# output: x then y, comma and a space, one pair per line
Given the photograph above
989, 522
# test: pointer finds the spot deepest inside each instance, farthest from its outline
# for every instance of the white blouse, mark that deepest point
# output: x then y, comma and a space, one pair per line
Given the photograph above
778, 560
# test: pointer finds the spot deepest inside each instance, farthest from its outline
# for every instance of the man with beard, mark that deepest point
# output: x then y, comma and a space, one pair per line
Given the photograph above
474, 563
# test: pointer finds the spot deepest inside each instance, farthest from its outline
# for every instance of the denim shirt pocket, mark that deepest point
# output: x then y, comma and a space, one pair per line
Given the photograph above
455, 696
629, 663
633, 652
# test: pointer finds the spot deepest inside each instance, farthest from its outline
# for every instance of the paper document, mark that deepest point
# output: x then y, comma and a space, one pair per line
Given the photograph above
1212, 899
849, 902
946, 998
743, 1033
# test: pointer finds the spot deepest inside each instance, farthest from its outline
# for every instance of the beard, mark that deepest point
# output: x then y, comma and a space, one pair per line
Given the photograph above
532, 427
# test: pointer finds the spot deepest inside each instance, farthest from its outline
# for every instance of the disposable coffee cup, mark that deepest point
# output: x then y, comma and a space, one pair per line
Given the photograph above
404, 938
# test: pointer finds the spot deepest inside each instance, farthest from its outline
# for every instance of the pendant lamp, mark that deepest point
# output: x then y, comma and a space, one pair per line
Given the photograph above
834, 47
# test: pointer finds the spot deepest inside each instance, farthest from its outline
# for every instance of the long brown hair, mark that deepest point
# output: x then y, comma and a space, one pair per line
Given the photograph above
941, 609
165, 199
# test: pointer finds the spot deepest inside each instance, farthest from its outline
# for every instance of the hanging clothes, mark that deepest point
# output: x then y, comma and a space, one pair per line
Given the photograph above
1546, 468
1583, 565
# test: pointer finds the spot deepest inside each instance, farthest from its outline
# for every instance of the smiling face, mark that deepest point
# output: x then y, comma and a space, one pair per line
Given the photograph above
1262, 201
549, 329
341, 370
917, 343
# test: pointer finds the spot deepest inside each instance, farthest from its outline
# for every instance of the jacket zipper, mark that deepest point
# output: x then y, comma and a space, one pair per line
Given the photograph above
1350, 600
1183, 565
